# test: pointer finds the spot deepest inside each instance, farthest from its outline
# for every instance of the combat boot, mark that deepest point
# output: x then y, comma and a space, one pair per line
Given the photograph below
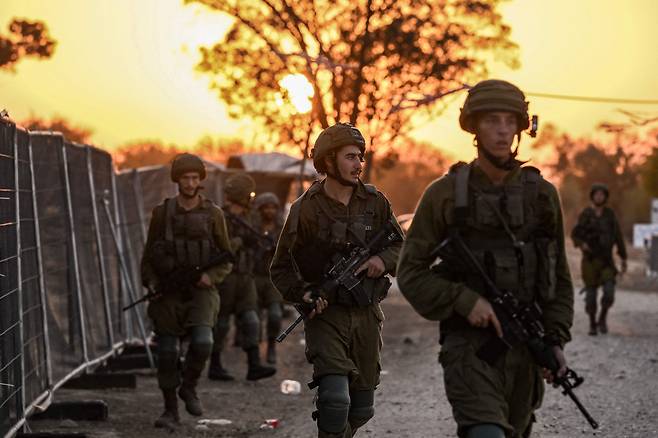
257, 371
271, 351
603, 323
188, 394
170, 419
592, 324
216, 371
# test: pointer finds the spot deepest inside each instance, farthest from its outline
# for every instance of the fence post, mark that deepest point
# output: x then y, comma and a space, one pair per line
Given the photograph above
120, 234
76, 263
42, 283
19, 276
99, 245
140, 203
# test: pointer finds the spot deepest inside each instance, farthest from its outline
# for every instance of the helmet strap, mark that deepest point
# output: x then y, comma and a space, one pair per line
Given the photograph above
508, 163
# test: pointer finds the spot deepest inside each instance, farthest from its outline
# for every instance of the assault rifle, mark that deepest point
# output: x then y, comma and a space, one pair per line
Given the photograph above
341, 275
521, 323
266, 242
182, 278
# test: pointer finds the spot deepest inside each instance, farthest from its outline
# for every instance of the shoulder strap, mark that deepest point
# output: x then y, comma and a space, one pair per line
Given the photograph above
531, 177
462, 173
170, 211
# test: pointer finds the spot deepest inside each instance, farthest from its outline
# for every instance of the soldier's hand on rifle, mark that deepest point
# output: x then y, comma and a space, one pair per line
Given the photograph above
562, 362
204, 282
320, 304
483, 314
153, 291
374, 266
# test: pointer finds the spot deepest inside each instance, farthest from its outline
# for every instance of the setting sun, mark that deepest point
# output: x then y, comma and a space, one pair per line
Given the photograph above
300, 91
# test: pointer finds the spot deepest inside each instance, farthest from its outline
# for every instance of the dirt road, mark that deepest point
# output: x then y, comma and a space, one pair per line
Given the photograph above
621, 388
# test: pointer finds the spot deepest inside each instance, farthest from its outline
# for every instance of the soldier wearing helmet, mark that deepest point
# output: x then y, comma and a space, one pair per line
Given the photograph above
596, 234
238, 291
343, 338
184, 231
510, 218
269, 222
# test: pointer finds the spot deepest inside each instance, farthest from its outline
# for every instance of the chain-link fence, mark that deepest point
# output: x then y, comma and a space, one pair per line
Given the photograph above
72, 232
61, 289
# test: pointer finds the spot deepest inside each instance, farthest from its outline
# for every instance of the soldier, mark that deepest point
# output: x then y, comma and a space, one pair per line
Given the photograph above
511, 219
238, 291
596, 233
184, 231
269, 223
343, 340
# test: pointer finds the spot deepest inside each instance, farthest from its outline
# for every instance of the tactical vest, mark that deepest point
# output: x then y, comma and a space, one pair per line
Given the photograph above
244, 253
598, 232
506, 228
337, 234
188, 239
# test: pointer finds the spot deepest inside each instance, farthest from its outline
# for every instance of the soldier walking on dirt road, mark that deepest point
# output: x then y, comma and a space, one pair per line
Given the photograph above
184, 232
510, 220
343, 336
596, 234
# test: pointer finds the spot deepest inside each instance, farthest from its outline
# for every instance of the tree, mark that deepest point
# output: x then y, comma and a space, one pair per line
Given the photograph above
144, 153
77, 134
25, 39
369, 62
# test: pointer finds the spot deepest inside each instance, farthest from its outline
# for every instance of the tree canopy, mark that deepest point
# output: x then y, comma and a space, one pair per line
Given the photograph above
25, 39
369, 62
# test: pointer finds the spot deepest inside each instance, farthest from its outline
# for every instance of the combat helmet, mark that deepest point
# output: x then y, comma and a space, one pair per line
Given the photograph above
265, 199
494, 95
240, 188
599, 187
333, 138
184, 163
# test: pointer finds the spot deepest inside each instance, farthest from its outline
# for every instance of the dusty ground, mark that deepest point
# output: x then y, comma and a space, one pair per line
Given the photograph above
621, 388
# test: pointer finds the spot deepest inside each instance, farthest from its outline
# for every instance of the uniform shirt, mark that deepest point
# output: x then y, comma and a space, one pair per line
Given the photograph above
156, 232
437, 298
603, 229
283, 271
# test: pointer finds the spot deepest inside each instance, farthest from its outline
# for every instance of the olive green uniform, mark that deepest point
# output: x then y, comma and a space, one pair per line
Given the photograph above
507, 393
179, 238
345, 340
267, 293
238, 291
601, 233
173, 314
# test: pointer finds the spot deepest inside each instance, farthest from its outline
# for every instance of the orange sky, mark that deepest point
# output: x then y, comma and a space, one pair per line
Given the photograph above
125, 68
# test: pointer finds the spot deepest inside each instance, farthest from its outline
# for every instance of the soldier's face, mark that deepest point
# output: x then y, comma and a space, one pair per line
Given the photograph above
268, 212
599, 197
349, 160
188, 183
495, 132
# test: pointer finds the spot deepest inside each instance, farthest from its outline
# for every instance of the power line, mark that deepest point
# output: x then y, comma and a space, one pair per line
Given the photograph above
596, 99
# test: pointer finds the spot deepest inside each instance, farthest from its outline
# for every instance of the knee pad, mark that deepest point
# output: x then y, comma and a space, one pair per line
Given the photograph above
485, 431
362, 408
250, 325
590, 300
608, 297
201, 335
333, 403
167, 343
220, 331
274, 317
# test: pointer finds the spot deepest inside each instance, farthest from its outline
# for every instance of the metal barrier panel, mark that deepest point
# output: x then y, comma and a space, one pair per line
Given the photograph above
11, 379
94, 317
59, 270
34, 334
101, 166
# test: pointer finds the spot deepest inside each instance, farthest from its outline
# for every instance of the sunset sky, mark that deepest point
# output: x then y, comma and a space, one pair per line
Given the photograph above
125, 68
